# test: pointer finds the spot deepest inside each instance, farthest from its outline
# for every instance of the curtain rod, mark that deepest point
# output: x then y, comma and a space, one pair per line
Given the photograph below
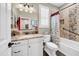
67, 6
55, 13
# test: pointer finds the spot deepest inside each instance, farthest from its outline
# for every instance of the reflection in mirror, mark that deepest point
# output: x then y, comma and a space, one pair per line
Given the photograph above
22, 22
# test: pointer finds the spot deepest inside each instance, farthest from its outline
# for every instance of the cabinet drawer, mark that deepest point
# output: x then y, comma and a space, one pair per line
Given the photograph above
19, 43
18, 53
19, 50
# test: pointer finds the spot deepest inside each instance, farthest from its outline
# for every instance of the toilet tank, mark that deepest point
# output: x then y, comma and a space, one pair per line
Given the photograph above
46, 38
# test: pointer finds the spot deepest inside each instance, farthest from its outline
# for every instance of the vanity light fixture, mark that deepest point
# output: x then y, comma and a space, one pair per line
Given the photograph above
25, 7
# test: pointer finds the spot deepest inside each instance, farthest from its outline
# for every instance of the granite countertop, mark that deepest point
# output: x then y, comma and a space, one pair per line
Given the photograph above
25, 37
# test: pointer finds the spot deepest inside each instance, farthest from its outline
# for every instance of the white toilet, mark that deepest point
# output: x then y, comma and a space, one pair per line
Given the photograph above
50, 47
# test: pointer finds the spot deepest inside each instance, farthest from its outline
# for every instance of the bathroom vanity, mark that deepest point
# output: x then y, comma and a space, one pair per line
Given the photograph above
27, 45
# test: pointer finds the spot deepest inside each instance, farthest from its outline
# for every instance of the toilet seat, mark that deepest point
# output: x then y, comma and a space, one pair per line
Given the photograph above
51, 45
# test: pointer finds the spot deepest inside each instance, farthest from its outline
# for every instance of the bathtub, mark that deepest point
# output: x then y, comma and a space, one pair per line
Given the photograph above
69, 47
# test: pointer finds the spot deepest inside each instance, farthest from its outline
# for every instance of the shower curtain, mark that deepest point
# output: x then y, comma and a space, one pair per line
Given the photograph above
55, 27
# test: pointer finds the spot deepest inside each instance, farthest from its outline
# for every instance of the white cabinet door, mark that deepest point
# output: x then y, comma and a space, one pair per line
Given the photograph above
20, 48
36, 47
5, 29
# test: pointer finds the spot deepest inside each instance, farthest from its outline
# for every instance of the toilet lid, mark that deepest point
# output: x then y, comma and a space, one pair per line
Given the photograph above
51, 45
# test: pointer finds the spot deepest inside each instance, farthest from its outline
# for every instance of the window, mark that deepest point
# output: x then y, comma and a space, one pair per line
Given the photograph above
43, 17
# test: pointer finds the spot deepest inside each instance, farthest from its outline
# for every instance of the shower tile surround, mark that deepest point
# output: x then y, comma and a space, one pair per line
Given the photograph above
71, 22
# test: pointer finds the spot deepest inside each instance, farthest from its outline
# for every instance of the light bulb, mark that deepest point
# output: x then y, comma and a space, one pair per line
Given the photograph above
30, 11
26, 7
31, 8
26, 10
21, 9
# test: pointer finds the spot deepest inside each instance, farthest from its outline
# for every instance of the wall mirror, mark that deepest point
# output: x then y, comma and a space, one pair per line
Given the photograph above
22, 20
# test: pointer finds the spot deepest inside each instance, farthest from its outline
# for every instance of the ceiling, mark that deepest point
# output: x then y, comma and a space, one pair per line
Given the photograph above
58, 4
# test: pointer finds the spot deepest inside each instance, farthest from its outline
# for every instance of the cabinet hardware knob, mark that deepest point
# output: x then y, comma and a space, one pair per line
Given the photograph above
10, 44
17, 52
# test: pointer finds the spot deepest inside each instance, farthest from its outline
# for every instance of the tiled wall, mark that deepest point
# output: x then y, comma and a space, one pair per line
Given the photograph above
69, 20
